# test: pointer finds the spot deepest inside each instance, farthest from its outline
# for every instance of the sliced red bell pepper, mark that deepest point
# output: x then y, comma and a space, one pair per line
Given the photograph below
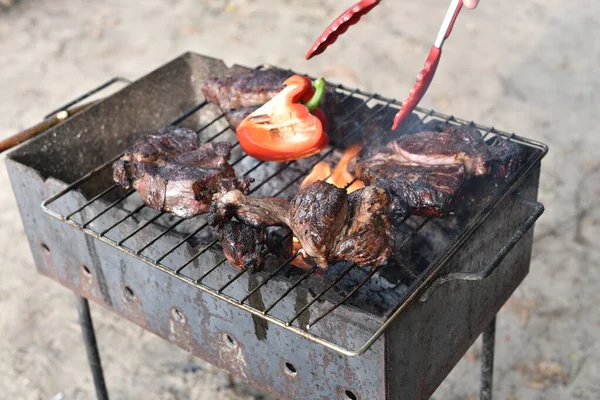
284, 129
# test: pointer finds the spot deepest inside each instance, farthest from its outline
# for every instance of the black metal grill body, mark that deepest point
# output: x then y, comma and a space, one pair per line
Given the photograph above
429, 331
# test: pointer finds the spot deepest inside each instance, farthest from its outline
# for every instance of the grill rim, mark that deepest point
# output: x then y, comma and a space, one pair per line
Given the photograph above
416, 288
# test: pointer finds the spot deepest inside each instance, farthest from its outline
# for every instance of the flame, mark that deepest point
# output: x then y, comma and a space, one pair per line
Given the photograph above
340, 177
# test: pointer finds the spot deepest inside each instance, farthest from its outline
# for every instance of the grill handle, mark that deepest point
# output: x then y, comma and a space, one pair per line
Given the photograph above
537, 211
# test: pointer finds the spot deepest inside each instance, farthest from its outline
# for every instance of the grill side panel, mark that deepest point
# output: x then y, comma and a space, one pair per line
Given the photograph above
250, 349
436, 333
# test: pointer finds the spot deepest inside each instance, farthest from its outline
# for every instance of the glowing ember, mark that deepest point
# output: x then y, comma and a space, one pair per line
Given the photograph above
340, 177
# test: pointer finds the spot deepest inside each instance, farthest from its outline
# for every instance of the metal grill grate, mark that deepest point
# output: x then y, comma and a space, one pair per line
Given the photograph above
117, 197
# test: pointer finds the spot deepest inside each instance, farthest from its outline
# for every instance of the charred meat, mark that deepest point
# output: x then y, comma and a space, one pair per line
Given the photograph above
368, 239
244, 246
318, 214
428, 190
174, 173
329, 224
254, 88
505, 157
425, 171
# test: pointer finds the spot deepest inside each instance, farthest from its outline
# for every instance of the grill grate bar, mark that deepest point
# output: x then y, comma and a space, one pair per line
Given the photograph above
135, 232
129, 215
210, 124
288, 291
198, 254
269, 277
318, 296
110, 206
93, 199
222, 131
229, 282
217, 265
191, 111
182, 241
157, 237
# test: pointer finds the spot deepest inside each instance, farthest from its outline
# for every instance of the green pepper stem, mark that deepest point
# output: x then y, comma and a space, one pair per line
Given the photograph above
314, 101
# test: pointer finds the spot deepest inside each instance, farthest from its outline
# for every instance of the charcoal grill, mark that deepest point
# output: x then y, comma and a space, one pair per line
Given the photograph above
296, 334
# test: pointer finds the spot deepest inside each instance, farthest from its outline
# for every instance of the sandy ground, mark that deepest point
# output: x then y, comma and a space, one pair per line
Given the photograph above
528, 67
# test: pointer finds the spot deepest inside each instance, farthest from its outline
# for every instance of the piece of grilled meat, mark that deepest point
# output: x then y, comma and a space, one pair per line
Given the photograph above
329, 224
253, 88
174, 173
505, 157
425, 171
368, 239
244, 246
428, 190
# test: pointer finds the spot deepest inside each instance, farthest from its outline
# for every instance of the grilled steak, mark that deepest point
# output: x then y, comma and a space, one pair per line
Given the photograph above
329, 224
428, 190
174, 173
425, 171
254, 88
452, 146
244, 247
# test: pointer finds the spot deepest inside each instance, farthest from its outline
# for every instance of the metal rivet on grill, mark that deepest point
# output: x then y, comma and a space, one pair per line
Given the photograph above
290, 369
230, 340
129, 294
86, 270
350, 395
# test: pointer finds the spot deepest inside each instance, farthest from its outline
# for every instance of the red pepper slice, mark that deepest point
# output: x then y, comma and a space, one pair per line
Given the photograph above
284, 129
341, 24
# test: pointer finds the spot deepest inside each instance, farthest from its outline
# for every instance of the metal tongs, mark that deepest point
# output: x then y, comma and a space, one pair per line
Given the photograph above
353, 15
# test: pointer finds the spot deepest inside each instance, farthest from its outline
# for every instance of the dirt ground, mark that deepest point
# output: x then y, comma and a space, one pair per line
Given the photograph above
528, 67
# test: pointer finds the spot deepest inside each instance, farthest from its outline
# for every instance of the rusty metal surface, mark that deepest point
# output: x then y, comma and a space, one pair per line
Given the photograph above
417, 351
187, 317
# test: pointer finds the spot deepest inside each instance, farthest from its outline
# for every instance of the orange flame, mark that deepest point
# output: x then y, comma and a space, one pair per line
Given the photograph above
340, 177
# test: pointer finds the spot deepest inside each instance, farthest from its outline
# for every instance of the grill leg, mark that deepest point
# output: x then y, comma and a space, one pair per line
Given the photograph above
487, 360
89, 338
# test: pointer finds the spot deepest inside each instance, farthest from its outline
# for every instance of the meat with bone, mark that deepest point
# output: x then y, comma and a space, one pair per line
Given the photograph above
329, 225
244, 246
175, 173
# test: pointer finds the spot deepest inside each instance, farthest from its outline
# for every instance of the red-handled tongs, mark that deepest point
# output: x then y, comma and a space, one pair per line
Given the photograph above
353, 15
426, 75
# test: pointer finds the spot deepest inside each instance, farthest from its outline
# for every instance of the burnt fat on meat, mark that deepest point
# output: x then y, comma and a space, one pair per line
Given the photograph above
244, 246
329, 224
173, 172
